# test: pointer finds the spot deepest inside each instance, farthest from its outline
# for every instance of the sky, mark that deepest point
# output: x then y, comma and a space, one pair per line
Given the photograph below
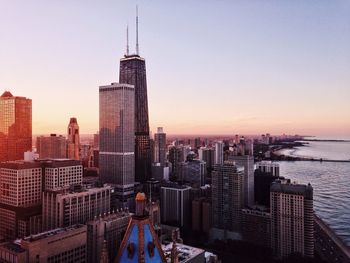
213, 67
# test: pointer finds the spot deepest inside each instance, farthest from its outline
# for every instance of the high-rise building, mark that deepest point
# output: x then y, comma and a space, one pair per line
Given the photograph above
160, 146
133, 72
227, 196
256, 226
193, 172
219, 153
15, 127
207, 155
62, 208
109, 228
116, 156
292, 219
201, 215
20, 199
177, 155
52, 146
247, 161
73, 147
175, 205
272, 168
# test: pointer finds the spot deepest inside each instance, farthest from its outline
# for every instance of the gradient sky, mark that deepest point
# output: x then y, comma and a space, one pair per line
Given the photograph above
213, 66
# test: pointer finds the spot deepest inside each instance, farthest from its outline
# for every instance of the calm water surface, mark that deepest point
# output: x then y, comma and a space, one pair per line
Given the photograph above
330, 180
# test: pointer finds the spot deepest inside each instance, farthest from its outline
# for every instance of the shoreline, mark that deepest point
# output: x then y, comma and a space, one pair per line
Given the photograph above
278, 155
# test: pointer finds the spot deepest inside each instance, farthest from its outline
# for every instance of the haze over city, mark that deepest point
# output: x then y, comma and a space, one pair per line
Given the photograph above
233, 67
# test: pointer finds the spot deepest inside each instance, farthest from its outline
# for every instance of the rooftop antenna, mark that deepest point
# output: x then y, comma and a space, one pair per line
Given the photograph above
127, 40
137, 30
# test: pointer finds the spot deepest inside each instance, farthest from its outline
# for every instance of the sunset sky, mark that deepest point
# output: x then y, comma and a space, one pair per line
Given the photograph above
213, 67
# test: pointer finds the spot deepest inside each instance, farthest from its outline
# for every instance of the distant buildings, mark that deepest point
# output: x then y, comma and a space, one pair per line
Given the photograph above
15, 127
292, 221
193, 172
246, 161
175, 204
227, 196
207, 155
160, 146
272, 168
117, 140
73, 142
219, 153
52, 146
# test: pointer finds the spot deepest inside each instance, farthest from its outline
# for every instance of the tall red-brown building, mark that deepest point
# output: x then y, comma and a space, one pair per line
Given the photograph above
73, 147
15, 126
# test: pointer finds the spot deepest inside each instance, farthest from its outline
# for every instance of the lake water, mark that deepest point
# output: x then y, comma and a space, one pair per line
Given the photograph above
330, 180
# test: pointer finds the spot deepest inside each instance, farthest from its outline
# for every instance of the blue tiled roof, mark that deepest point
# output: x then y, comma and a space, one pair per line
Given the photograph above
133, 237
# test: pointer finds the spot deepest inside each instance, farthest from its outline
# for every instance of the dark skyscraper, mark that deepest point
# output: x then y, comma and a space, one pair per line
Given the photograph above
133, 71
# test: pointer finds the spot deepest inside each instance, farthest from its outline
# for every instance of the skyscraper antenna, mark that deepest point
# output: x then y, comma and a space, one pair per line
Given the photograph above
137, 30
127, 40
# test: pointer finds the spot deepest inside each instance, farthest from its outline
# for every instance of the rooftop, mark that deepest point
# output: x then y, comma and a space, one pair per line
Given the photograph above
53, 232
6, 94
185, 253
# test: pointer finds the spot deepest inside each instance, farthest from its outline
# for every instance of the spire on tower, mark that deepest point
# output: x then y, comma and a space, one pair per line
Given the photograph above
127, 40
137, 30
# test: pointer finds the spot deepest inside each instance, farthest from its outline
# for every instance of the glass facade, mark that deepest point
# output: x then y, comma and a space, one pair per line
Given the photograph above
116, 157
133, 71
15, 127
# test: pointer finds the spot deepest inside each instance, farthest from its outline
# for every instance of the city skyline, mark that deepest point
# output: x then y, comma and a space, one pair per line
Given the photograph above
284, 66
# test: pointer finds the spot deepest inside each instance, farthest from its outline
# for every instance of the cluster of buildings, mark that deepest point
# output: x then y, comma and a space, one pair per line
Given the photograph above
52, 211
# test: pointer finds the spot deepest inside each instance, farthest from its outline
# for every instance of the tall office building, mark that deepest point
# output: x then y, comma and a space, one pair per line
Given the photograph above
193, 172
133, 71
227, 196
73, 147
52, 146
160, 147
15, 127
219, 153
20, 199
207, 155
175, 205
292, 220
116, 156
247, 161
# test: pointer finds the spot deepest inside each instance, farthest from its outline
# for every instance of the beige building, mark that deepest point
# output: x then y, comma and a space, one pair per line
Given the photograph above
292, 223
20, 199
62, 208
